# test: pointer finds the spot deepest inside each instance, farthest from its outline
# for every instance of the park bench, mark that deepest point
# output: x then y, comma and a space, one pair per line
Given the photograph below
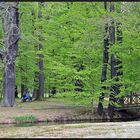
131, 102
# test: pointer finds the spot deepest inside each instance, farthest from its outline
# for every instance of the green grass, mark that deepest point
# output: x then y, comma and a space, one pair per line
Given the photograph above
81, 98
68, 98
23, 119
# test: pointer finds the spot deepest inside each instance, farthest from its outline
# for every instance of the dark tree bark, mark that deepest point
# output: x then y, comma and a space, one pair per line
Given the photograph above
105, 5
36, 82
41, 63
16, 92
119, 32
36, 88
39, 94
112, 7
104, 71
119, 62
11, 30
115, 69
104, 68
113, 64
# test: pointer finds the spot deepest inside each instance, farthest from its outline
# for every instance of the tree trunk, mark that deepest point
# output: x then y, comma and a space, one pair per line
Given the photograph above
104, 68
119, 62
105, 5
9, 85
115, 69
36, 87
22, 89
16, 92
113, 87
41, 79
38, 93
11, 36
41, 63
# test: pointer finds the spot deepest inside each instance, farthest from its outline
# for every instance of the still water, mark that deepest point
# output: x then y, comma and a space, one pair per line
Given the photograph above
62, 122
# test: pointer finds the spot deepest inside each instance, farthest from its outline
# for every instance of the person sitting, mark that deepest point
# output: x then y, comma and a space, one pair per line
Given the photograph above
26, 95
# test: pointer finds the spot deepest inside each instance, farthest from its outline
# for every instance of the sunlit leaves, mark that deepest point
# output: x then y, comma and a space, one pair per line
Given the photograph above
73, 34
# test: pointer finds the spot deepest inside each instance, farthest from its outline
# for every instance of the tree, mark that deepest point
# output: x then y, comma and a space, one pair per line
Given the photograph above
9, 53
116, 65
35, 91
41, 63
112, 62
39, 76
64, 45
104, 68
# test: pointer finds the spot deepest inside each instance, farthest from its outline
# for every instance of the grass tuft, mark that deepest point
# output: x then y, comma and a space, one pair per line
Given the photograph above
23, 119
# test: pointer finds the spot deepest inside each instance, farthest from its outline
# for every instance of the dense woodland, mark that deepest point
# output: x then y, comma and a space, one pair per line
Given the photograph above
83, 50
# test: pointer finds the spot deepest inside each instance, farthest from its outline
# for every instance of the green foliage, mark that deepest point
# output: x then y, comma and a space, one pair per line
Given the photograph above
23, 119
73, 34
82, 98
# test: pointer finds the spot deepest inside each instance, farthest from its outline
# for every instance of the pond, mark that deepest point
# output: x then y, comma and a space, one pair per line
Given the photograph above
63, 122
76, 129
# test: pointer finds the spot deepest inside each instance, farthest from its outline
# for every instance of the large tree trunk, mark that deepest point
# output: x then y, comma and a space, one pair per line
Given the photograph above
36, 87
11, 30
113, 88
9, 85
41, 63
38, 93
118, 61
104, 68
115, 69
104, 71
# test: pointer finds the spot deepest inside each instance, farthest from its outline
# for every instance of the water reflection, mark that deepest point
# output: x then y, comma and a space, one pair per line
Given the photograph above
62, 122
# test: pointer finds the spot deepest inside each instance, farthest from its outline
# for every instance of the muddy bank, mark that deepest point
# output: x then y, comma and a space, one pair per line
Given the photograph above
65, 114
52, 112
62, 115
